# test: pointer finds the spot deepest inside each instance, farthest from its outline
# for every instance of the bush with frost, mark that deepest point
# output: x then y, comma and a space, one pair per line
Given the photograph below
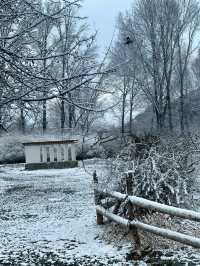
162, 172
11, 149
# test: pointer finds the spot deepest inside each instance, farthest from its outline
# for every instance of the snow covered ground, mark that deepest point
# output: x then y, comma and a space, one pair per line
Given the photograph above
51, 212
47, 217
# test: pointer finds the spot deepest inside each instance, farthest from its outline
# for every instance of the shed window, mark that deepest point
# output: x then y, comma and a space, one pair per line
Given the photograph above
55, 154
62, 153
48, 154
69, 153
41, 154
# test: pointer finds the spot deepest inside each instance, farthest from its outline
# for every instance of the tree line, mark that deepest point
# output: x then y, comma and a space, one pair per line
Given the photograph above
48, 65
157, 57
50, 74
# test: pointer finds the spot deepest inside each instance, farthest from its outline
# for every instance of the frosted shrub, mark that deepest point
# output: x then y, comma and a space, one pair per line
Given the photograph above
86, 151
161, 172
96, 152
11, 149
160, 177
123, 162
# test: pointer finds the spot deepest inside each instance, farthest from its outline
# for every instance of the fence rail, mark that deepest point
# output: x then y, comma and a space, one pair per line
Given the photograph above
154, 206
129, 222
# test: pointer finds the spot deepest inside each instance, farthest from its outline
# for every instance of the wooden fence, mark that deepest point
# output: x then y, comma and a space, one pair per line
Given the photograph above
104, 200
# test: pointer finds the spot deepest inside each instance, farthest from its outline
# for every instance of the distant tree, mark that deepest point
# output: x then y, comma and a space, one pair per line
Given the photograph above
124, 60
157, 30
77, 50
46, 50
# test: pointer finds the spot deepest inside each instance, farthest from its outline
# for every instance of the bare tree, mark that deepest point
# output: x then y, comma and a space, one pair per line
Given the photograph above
155, 28
78, 58
47, 63
185, 51
123, 59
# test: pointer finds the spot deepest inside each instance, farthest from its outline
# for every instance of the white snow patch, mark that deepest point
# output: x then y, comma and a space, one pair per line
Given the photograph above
50, 210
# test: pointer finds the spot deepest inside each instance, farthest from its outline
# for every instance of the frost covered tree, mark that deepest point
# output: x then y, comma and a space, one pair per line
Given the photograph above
124, 79
159, 32
77, 50
47, 54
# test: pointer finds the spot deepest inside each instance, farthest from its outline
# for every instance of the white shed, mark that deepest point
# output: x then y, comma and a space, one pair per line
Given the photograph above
50, 154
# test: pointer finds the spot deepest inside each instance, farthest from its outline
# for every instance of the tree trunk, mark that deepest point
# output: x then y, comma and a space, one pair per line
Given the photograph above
169, 110
182, 107
44, 112
70, 116
62, 116
131, 112
181, 73
123, 115
186, 116
158, 120
70, 113
44, 116
22, 118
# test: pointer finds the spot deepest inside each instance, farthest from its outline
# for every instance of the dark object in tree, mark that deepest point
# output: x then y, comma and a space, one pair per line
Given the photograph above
128, 40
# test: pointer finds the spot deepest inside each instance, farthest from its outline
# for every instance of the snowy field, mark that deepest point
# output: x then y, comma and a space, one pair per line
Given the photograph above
48, 216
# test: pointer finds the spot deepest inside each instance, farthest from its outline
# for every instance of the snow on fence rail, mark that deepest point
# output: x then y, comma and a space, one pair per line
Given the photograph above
155, 206
128, 201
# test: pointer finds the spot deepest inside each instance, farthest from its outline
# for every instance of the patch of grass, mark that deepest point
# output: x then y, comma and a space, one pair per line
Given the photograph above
30, 257
66, 191
18, 188
29, 216
6, 215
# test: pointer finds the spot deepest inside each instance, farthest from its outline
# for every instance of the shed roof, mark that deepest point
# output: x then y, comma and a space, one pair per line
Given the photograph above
49, 142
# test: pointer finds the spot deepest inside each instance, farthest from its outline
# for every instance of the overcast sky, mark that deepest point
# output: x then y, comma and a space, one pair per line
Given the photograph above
102, 16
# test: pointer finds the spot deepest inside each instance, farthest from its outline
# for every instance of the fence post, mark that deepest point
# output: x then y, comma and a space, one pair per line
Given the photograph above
134, 231
129, 183
97, 199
